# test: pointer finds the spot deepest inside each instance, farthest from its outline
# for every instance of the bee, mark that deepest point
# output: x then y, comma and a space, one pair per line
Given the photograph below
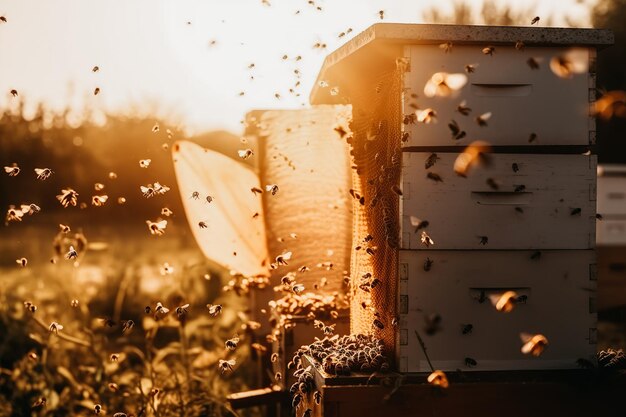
504, 302
121, 200
98, 186
99, 200
533, 344
532, 138
435, 177
515, 167
148, 190
14, 93
157, 228
144, 163
295, 402
195, 195
30, 209
3, 19
469, 68
127, 325
442, 84
95, 69
432, 323
113, 387
493, 184
536, 255
463, 109
483, 240
489, 50
519, 45
41, 402
426, 116
97, 408
181, 311
378, 324
520, 188
467, 328
428, 264
273, 188
245, 153
438, 378
96, 91
30, 306
274, 357
214, 309
71, 254
426, 239
14, 215
166, 269
12, 170
522, 299
446, 46
297, 289
55, 327
431, 160
470, 362
418, 223
535, 20
317, 396
115, 357
575, 211
43, 173
166, 212
278, 376
283, 258
482, 119
307, 413
33, 356
68, 197
202, 225
519, 209
256, 190
22, 262
161, 309
381, 14
599, 216
226, 366
456, 131
533, 63
334, 91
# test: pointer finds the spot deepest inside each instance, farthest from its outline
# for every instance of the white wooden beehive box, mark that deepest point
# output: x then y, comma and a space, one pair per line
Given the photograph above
526, 222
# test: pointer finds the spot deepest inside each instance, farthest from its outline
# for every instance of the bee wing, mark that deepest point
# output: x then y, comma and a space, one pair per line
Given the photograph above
430, 89
579, 59
212, 173
161, 224
231, 362
25, 208
485, 116
144, 189
8, 169
526, 337
456, 81
39, 171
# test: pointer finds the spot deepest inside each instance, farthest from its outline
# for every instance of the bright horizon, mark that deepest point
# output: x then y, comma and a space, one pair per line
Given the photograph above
152, 61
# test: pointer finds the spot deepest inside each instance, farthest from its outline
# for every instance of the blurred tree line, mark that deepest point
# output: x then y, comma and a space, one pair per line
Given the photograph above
605, 14
84, 153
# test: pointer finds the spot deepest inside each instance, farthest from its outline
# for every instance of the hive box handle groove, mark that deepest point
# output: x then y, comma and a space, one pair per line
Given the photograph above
502, 90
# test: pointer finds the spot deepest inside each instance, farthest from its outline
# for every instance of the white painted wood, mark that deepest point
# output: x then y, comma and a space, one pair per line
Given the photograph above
611, 232
611, 276
560, 287
522, 100
461, 210
612, 194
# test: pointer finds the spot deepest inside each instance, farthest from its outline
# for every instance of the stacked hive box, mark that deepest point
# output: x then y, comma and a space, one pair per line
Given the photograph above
611, 236
524, 223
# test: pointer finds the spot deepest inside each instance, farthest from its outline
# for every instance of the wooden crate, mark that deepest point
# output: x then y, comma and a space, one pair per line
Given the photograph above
560, 290
522, 100
462, 210
480, 394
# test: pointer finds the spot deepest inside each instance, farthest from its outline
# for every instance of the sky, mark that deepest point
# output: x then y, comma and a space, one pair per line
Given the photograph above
156, 57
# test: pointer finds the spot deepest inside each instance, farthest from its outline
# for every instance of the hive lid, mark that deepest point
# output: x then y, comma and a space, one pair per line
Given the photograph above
365, 48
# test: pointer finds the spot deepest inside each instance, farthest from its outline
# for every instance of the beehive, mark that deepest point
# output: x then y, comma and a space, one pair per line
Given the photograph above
526, 222
611, 236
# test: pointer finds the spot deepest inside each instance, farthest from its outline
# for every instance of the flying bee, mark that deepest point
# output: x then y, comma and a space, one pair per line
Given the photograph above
426, 116
519, 209
202, 225
378, 324
161, 309
522, 299
533, 63
463, 109
297, 289
71, 254
469, 68
438, 378
30, 306
489, 50
426, 239
431, 160
157, 228
467, 328
155, 128
515, 167
482, 119
97, 408
432, 323
533, 344
95, 69
22, 262
127, 325
113, 387
13, 92
418, 223
428, 264
475, 153
181, 311
195, 195
41, 402
12, 170
43, 173
99, 200
226, 366
446, 46
166, 212
273, 188
435, 177
317, 396
68, 197
493, 184
585, 363
536, 255
245, 153
55, 327
13, 215
519, 45
520, 188
470, 362
504, 302
30, 209
457, 133
96, 91
283, 258
532, 137
121, 200
442, 84
144, 163
115, 357
535, 20
381, 14
214, 309
575, 211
